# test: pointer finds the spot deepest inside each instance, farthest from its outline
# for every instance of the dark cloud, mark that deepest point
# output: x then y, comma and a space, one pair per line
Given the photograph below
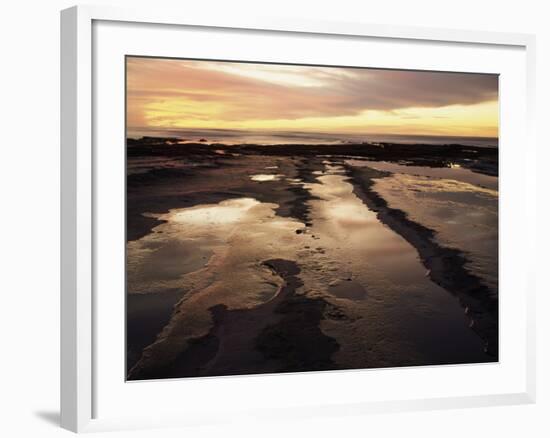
392, 89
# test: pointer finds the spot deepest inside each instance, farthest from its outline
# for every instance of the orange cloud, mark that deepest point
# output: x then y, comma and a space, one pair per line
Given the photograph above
166, 93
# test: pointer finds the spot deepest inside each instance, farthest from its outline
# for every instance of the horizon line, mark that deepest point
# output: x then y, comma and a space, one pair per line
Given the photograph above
305, 132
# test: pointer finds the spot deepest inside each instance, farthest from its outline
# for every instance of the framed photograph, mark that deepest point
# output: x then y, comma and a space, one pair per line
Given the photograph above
257, 209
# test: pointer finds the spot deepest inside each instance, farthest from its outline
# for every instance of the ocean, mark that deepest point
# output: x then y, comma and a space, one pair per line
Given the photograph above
235, 136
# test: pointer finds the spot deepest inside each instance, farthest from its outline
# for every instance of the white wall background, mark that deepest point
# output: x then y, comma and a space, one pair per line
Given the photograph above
29, 218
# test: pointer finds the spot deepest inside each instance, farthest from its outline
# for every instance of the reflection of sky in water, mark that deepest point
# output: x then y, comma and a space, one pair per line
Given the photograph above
238, 235
214, 252
261, 177
226, 212
464, 216
396, 311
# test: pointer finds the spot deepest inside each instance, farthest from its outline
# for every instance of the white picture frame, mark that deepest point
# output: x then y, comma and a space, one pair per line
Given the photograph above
79, 230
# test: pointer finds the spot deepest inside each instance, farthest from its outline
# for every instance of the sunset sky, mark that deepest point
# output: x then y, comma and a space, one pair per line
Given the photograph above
173, 94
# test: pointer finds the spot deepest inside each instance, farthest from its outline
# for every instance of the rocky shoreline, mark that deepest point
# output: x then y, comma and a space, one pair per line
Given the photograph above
283, 334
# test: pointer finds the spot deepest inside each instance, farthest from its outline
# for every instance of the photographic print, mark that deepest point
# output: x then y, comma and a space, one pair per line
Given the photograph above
294, 218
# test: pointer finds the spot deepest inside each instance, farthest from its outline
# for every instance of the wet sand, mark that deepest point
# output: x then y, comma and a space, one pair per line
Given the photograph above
285, 258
